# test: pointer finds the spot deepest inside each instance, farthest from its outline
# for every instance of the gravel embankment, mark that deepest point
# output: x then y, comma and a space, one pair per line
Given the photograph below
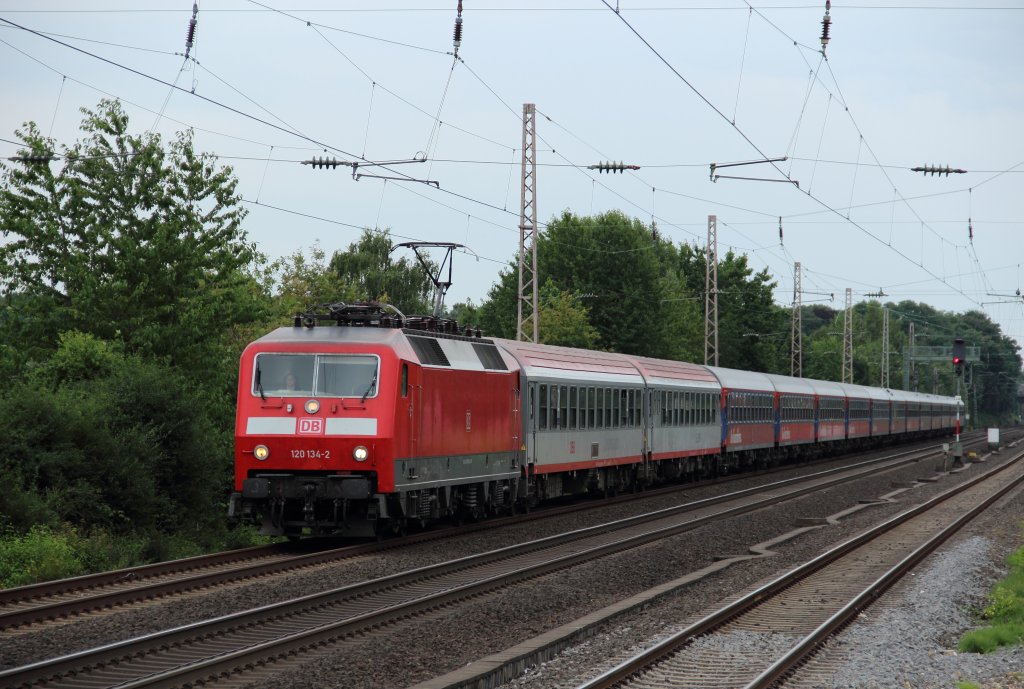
907, 640
420, 649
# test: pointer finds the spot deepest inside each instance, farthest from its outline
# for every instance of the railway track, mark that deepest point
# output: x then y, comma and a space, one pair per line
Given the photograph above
66, 598
762, 638
231, 644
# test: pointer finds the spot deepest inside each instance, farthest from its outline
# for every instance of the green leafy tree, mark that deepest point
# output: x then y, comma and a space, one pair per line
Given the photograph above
753, 332
610, 263
498, 313
299, 282
369, 270
126, 239
564, 320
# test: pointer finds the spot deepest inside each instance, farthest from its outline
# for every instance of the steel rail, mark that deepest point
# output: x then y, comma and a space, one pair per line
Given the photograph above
667, 647
122, 652
26, 604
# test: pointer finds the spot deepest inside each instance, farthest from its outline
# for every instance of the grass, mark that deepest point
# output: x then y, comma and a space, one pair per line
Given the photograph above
1004, 612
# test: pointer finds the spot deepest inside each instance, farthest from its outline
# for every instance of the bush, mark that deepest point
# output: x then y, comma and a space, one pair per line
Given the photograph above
104, 441
39, 555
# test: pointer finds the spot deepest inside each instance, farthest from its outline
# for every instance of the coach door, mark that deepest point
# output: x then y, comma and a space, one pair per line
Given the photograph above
535, 407
412, 396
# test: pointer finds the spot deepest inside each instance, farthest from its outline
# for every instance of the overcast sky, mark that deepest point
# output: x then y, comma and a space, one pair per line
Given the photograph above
669, 85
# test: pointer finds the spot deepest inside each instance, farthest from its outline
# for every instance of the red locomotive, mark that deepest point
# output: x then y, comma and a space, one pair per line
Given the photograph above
356, 422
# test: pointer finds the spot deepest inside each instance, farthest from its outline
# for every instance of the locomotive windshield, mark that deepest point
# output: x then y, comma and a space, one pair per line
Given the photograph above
321, 375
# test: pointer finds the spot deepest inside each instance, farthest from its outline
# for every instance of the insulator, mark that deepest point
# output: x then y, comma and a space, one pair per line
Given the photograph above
938, 170
612, 167
970, 230
32, 159
826, 24
324, 162
190, 35
458, 31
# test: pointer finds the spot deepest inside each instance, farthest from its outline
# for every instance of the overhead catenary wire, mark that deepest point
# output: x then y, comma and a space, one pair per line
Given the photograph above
670, 214
810, 195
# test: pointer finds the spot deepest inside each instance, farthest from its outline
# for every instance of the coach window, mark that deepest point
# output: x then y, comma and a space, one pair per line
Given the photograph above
591, 407
574, 402
563, 406
542, 412
405, 380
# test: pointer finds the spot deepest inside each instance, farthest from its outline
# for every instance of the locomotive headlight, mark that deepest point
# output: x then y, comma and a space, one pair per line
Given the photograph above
312, 406
261, 452
360, 453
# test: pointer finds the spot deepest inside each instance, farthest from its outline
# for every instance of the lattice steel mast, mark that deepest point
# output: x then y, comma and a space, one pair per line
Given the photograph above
711, 295
797, 341
848, 338
885, 348
528, 320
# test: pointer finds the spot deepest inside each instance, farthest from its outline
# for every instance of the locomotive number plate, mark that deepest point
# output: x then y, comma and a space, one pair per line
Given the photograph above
311, 454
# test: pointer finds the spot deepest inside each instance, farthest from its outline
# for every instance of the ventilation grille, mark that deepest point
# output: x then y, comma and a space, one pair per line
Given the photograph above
489, 357
429, 351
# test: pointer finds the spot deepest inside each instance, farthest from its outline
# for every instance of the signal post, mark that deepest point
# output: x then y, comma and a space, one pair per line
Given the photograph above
959, 357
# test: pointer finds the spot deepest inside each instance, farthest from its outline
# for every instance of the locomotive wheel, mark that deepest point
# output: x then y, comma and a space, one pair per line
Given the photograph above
391, 528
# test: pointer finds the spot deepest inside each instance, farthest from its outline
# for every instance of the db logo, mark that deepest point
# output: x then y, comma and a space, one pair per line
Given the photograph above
311, 426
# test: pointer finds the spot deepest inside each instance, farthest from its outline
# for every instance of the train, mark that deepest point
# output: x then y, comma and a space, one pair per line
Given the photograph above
356, 421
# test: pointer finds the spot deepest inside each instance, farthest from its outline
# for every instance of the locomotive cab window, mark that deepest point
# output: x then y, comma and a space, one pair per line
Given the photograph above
325, 375
284, 374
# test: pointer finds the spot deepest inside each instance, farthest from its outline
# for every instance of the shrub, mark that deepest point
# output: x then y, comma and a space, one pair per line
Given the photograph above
39, 555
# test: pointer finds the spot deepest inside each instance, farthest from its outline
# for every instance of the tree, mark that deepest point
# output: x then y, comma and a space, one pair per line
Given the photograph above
300, 282
610, 263
367, 268
753, 332
127, 240
564, 320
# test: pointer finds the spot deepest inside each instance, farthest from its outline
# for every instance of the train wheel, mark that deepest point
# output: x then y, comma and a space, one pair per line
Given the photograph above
390, 528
